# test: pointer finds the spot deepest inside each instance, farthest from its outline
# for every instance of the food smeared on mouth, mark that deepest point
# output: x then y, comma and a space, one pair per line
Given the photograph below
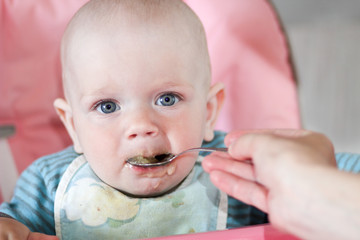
152, 159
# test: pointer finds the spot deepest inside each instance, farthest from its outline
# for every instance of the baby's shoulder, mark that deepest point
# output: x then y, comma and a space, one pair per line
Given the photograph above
48, 170
58, 161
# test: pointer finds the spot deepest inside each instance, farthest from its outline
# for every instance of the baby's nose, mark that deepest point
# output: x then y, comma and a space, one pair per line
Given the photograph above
142, 131
142, 126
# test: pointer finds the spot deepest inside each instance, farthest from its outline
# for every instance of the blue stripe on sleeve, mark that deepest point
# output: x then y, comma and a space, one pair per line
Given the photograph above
348, 162
33, 200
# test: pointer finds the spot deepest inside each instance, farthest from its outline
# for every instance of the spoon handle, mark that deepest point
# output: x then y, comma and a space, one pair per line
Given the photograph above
206, 149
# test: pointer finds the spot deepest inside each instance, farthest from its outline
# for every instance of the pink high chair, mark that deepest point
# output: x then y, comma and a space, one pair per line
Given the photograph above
248, 51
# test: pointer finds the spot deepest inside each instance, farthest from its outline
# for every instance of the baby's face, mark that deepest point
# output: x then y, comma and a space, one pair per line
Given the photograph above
147, 100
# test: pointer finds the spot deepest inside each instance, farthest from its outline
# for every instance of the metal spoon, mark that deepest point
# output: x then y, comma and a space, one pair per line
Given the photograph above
166, 158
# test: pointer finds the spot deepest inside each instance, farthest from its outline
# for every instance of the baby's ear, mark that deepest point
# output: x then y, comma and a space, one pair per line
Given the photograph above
215, 101
63, 109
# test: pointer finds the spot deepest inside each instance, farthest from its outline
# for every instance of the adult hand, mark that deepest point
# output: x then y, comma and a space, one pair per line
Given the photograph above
292, 175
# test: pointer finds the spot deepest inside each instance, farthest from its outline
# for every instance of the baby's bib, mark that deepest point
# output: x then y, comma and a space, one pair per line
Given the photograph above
87, 208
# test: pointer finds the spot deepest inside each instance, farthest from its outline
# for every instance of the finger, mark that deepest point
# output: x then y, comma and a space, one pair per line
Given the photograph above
241, 169
247, 146
232, 136
256, 142
40, 236
247, 191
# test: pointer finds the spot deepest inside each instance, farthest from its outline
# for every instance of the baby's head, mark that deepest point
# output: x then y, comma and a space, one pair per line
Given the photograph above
136, 77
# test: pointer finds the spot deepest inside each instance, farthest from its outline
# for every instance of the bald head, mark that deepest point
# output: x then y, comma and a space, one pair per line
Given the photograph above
128, 20
100, 13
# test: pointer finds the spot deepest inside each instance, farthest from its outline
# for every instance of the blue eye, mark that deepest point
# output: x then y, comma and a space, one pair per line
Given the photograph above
107, 107
168, 99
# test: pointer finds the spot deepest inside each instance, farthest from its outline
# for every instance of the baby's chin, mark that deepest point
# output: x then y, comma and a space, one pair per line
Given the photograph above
148, 182
152, 187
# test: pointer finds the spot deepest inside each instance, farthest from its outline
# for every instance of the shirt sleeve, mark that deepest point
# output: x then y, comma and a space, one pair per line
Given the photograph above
348, 162
33, 200
239, 213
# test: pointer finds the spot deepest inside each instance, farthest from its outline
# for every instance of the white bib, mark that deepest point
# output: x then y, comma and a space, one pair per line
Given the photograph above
87, 208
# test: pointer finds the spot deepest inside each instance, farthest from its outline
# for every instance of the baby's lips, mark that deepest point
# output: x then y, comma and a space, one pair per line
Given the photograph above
156, 158
148, 153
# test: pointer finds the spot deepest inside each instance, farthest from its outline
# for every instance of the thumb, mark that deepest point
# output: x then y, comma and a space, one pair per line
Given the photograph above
291, 133
41, 236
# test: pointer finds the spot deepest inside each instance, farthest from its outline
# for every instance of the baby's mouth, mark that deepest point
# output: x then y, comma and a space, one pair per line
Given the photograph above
140, 159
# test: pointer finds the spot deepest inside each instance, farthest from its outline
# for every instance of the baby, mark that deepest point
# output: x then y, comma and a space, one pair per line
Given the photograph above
136, 76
